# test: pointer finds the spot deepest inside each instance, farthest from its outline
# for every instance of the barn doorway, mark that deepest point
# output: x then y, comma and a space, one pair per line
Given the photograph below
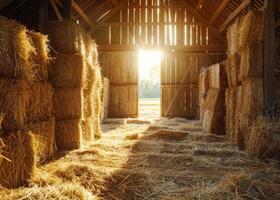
149, 83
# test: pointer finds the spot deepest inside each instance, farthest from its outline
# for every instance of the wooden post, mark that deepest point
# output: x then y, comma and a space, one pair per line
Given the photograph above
269, 59
43, 11
67, 9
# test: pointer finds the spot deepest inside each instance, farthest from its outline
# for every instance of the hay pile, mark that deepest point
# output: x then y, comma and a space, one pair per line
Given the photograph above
25, 100
212, 87
76, 75
244, 97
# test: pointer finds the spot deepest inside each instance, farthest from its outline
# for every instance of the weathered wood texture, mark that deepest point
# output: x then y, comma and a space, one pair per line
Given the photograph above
122, 70
179, 82
277, 68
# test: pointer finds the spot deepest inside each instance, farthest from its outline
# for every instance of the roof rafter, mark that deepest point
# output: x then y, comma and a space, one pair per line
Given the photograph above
234, 14
219, 10
199, 4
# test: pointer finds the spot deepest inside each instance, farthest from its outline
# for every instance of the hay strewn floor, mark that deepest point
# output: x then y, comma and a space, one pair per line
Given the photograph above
135, 161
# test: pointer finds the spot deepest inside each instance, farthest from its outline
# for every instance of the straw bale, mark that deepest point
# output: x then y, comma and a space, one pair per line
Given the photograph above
44, 134
65, 37
16, 50
40, 103
204, 81
68, 71
214, 122
233, 70
105, 98
230, 102
17, 169
68, 134
88, 129
251, 64
215, 100
68, 103
91, 49
251, 29
88, 105
40, 56
218, 76
13, 103
264, 138
232, 37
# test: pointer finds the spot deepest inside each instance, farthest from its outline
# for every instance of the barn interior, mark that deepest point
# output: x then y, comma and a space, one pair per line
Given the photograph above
140, 99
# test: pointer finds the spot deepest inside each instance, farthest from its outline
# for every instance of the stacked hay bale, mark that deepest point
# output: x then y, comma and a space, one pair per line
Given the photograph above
214, 109
75, 75
244, 97
25, 100
203, 88
105, 98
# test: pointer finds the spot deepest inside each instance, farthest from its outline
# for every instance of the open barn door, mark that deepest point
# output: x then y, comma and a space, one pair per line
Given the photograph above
122, 70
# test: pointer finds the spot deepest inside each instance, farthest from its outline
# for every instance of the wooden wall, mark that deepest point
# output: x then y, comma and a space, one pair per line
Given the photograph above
167, 25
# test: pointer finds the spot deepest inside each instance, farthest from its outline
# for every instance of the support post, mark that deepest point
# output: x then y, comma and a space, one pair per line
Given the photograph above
67, 9
269, 58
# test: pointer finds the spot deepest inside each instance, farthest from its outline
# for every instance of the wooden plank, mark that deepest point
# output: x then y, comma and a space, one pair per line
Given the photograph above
82, 14
56, 11
219, 10
269, 58
243, 5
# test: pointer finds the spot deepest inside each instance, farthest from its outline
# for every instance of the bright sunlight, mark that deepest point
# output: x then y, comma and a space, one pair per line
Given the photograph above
149, 87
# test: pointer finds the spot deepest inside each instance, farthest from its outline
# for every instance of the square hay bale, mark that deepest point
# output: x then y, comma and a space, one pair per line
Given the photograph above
204, 81
68, 71
264, 138
88, 105
215, 100
201, 107
251, 29
214, 122
251, 64
233, 37
65, 37
105, 98
18, 164
218, 76
40, 56
44, 135
40, 103
230, 102
68, 103
233, 70
88, 129
16, 50
14, 98
68, 134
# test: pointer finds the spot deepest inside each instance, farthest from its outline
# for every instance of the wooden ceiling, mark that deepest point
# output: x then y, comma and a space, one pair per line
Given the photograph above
217, 13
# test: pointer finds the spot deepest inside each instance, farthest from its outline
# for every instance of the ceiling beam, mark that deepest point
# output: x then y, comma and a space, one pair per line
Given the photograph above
199, 4
56, 10
243, 5
109, 14
219, 10
82, 14
199, 17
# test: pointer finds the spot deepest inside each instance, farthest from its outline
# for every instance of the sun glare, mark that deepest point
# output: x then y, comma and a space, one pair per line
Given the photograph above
147, 61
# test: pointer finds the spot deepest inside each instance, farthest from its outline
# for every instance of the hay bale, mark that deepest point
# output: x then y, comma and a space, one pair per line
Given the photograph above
251, 64
251, 29
214, 122
68, 134
230, 102
88, 105
68, 103
204, 81
232, 38
233, 70
18, 168
68, 71
218, 76
215, 100
105, 98
16, 50
87, 129
91, 49
44, 135
13, 103
40, 103
264, 138
65, 37
40, 56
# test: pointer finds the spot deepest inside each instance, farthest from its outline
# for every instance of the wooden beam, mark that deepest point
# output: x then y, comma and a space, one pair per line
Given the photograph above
219, 10
43, 11
56, 10
199, 17
199, 4
269, 58
67, 9
82, 14
109, 14
243, 5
